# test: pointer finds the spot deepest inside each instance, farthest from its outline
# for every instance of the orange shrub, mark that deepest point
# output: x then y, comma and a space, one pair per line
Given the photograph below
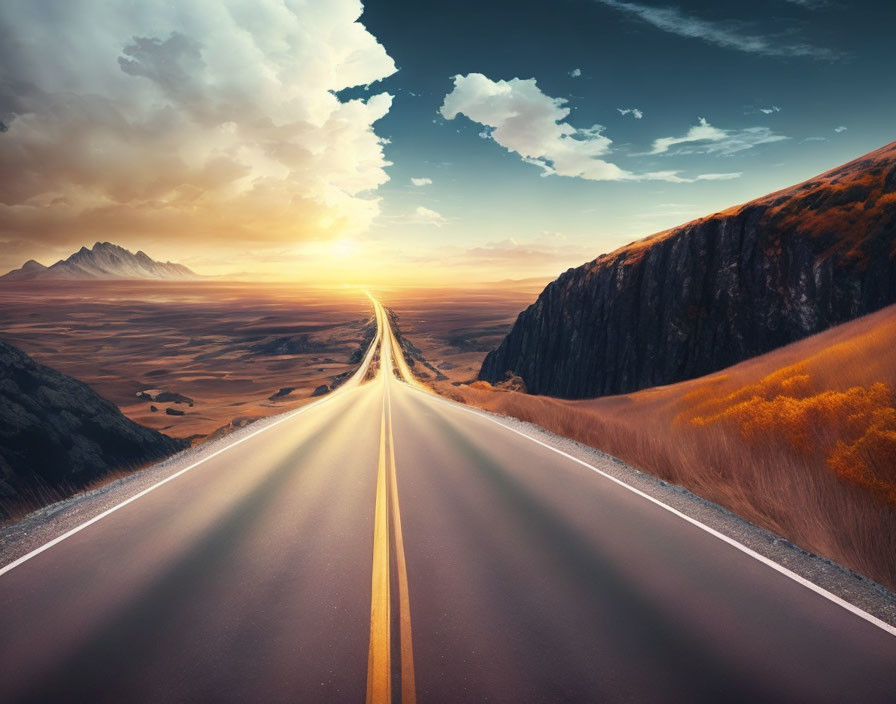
854, 429
870, 460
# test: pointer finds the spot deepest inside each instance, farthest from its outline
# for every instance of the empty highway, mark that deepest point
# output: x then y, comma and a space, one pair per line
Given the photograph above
385, 544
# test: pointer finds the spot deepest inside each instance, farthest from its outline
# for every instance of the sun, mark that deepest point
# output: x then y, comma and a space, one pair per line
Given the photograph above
344, 248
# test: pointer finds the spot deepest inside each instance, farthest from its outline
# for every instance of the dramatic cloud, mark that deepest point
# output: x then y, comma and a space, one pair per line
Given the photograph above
210, 122
703, 138
523, 120
634, 112
421, 181
730, 35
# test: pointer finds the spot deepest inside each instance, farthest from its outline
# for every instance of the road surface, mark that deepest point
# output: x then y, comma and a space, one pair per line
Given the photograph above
385, 544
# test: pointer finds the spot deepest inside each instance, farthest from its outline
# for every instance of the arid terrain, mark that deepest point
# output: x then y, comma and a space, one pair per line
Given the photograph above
206, 356
455, 328
801, 440
218, 352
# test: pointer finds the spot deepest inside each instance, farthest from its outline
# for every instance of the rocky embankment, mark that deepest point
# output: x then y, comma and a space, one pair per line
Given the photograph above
711, 293
57, 434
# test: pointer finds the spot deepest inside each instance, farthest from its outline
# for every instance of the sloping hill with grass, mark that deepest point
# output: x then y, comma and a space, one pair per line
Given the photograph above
801, 440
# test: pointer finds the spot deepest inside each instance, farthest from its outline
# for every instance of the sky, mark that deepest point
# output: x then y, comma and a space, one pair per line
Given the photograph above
417, 142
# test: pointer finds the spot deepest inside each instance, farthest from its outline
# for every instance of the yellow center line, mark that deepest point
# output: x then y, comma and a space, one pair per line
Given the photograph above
379, 689
408, 683
379, 674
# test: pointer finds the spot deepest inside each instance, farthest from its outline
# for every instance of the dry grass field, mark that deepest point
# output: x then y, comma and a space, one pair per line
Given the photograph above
801, 440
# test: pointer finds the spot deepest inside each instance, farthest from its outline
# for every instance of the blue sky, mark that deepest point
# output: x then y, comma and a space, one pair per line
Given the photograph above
435, 141
805, 70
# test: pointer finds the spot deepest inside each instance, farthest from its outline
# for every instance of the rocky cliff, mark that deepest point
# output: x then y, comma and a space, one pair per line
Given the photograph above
57, 434
713, 292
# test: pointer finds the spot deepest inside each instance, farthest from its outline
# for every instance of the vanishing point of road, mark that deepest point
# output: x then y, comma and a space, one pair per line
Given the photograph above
387, 545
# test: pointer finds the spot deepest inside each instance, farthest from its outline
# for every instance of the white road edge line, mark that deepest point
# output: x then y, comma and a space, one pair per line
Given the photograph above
883, 625
365, 363
98, 517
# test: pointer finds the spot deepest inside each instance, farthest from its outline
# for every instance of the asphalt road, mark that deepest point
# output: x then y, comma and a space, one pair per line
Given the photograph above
388, 545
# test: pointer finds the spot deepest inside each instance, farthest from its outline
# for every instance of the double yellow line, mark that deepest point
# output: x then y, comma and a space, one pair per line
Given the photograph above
379, 654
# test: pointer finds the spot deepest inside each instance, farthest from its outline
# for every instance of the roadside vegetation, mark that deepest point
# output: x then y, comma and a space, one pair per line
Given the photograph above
801, 441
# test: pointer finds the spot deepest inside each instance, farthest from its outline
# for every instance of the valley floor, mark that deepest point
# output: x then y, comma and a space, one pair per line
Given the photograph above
192, 358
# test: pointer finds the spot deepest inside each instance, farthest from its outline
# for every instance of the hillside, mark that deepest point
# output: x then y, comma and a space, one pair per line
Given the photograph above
801, 440
716, 291
103, 261
57, 435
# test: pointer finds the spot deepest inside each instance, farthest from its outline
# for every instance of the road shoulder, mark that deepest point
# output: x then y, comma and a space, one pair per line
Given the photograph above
20, 537
852, 587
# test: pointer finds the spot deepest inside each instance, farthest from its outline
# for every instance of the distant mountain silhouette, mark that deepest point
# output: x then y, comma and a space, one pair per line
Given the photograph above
57, 435
104, 261
703, 296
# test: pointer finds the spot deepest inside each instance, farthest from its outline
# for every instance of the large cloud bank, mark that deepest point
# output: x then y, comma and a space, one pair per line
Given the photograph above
215, 121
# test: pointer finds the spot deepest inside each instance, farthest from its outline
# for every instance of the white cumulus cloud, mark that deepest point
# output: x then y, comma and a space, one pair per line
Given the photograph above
634, 112
841, 128
769, 111
425, 216
704, 138
576, 72
216, 120
421, 181
522, 119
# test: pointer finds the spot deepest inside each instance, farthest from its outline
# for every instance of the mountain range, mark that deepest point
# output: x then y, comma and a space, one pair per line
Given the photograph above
103, 261
713, 292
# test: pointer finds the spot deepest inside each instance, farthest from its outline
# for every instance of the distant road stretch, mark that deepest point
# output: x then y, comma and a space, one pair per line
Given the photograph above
385, 544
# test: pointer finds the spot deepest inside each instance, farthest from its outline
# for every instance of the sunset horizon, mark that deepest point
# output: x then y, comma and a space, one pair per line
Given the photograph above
390, 351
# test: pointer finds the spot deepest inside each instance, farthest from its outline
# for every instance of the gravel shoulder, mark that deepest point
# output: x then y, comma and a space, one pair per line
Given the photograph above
866, 594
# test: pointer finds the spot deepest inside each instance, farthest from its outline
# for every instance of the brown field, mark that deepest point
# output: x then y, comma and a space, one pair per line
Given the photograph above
214, 343
801, 441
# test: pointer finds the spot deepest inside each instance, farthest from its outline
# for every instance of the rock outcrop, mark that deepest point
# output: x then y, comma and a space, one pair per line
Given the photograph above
57, 434
711, 293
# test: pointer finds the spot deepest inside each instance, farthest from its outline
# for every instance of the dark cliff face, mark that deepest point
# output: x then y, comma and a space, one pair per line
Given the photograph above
57, 434
712, 293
